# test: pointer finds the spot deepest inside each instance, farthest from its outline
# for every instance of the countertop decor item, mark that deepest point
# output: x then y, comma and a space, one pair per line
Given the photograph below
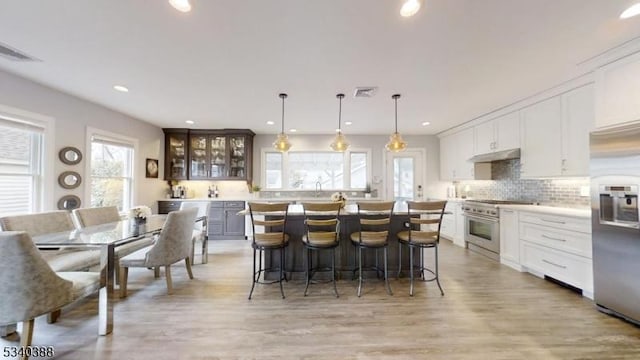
396, 144
339, 197
340, 142
140, 214
282, 143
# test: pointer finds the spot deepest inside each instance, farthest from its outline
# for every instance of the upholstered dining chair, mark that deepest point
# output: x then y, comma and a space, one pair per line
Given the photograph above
426, 216
173, 245
374, 219
199, 229
30, 288
269, 223
103, 215
321, 232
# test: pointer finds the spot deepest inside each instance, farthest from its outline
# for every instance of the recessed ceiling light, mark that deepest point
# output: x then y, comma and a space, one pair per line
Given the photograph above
410, 8
348, 123
270, 122
121, 88
293, 130
190, 122
426, 123
631, 11
181, 5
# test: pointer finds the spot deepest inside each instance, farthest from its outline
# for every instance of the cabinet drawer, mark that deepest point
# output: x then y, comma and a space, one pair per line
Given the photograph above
557, 221
165, 207
448, 227
234, 204
571, 241
571, 269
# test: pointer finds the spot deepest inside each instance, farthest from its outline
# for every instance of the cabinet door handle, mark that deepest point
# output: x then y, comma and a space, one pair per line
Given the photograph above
554, 221
554, 264
553, 238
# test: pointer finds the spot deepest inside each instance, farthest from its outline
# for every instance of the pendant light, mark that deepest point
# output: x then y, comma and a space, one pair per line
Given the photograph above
410, 8
396, 144
340, 142
282, 143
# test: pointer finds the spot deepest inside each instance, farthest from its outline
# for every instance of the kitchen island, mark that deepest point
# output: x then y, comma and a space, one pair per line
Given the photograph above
346, 260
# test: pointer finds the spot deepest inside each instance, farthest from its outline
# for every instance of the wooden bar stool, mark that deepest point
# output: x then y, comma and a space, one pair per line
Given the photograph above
321, 232
374, 219
426, 215
273, 237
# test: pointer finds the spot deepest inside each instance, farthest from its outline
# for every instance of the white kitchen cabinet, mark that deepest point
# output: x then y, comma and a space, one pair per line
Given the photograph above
502, 133
618, 92
557, 246
509, 239
452, 226
541, 141
455, 151
578, 121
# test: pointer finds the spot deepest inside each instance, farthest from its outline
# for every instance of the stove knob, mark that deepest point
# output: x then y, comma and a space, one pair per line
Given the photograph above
494, 212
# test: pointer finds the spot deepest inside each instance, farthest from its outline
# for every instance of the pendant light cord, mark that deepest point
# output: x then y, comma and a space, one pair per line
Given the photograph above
340, 114
396, 114
282, 115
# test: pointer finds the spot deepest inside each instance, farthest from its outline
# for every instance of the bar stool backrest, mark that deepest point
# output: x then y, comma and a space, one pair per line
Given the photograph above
322, 221
425, 213
375, 218
274, 221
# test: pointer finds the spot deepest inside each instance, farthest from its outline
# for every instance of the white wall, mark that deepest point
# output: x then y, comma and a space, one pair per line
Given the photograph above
72, 116
433, 187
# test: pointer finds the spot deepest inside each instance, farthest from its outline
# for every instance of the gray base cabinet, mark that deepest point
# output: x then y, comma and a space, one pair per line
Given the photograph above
222, 224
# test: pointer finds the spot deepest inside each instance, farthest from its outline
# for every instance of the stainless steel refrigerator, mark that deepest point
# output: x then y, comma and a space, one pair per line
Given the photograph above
615, 181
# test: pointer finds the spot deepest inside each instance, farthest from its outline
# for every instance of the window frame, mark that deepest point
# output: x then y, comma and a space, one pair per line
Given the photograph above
43, 199
285, 167
116, 138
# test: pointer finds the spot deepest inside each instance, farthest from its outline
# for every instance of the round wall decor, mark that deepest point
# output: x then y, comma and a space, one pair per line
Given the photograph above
70, 155
69, 179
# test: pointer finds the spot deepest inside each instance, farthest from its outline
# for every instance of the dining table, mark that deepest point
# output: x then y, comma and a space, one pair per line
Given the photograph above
106, 237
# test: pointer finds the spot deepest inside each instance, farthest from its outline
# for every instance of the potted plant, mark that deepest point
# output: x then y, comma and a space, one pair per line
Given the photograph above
255, 189
367, 191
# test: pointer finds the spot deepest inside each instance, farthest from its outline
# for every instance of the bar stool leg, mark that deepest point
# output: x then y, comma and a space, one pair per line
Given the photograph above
308, 270
411, 270
438, 276
386, 274
422, 263
281, 268
359, 270
399, 259
253, 274
333, 270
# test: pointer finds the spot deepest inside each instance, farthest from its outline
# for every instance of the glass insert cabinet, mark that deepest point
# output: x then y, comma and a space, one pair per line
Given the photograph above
210, 154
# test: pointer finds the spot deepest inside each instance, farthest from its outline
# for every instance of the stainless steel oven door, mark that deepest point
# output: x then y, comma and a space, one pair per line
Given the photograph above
483, 232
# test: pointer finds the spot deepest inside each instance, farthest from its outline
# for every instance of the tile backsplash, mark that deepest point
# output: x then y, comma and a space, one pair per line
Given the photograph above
507, 185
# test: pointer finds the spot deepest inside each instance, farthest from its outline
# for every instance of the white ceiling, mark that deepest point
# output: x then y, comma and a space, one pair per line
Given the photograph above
224, 63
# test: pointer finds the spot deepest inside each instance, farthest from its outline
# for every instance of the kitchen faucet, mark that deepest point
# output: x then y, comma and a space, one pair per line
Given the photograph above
318, 188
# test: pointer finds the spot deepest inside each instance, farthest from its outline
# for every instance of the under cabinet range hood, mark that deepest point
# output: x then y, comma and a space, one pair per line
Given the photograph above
496, 156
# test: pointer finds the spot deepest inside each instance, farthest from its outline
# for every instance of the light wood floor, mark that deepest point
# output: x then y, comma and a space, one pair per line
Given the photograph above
488, 312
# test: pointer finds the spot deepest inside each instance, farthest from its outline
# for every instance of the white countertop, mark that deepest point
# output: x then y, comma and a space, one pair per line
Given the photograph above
573, 212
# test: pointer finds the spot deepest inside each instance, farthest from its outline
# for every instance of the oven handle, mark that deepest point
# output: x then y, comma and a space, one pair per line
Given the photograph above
482, 218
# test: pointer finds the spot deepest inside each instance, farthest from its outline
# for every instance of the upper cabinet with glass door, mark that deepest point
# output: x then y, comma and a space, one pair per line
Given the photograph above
219, 155
175, 154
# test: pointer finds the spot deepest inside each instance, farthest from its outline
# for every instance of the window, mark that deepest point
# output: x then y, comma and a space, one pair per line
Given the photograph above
21, 153
111, 172
308, 170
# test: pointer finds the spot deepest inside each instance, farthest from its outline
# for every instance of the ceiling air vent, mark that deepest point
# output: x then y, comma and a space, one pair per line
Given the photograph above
365, 91
13, 54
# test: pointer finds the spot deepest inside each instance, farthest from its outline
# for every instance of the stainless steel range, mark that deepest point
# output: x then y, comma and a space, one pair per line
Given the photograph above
482, 225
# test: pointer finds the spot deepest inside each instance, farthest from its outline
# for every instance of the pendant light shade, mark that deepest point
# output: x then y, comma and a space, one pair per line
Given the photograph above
396, 144
340, 142
282, 143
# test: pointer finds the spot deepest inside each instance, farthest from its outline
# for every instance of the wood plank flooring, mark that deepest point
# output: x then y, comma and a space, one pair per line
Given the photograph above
488, 312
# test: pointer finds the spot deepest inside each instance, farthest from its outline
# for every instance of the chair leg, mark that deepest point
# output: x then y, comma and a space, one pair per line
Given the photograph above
156, 272
193, 251
308, 269
205, 250
253, 274
377, 266
167, 271
124, 275
333, 271
187, 263
422, 263
411, 270
27, 336
386, 273
281, 269
359, 271
53, 316
438, 276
